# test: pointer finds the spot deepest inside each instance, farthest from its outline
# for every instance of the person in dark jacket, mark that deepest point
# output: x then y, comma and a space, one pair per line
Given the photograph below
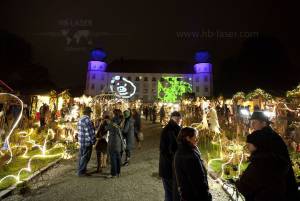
190, 172
270, 157
128, 134
115, 144
168, 147
137, 126
264, 178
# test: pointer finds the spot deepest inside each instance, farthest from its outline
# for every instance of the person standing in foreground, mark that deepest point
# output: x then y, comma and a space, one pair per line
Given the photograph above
86, 138
168, 147
190, 172
270, 175
115, 144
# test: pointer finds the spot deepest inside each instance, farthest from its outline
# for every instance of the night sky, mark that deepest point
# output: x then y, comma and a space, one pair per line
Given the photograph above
151, 30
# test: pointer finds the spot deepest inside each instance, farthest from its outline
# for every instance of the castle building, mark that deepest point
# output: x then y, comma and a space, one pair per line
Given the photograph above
149, 80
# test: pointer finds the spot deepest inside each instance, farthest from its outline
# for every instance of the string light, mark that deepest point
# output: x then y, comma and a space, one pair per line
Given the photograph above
6, 141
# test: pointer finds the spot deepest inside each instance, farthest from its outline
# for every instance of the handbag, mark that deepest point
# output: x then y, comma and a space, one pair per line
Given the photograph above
140, 136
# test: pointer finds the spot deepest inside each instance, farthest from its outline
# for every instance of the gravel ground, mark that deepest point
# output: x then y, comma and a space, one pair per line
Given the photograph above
139, 181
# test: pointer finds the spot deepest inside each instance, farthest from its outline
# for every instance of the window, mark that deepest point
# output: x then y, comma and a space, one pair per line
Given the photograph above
101, 87
129, 78
205, 79
197, 79
94, 76
137, 79
102, 77
145, 79
162, 79
145, 91
179, 79
205, 89
197, 89
93, 87
154, 79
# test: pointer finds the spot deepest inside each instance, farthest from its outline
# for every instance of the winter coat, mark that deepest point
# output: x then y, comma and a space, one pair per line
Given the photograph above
137, 124
271, 142
191, 174
101, 145
264, 178
128, 133
168, 147
115, 136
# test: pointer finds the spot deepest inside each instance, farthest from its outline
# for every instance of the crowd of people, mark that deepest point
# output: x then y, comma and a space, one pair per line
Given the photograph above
113, 137
268, 177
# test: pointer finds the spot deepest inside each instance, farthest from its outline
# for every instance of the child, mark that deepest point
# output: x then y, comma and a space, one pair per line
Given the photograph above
101, 144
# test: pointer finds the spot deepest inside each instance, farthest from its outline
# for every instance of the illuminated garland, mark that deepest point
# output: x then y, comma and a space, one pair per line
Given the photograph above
6, 141
259, 93
294, 93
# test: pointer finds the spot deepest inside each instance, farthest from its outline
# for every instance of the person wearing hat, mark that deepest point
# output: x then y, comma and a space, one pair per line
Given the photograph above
270, 175
168, 148
86, 139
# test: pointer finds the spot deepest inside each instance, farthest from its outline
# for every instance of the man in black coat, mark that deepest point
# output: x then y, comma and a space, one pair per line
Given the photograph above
168, 147
271, 149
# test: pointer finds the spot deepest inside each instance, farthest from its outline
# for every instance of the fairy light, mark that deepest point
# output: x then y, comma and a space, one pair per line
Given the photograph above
6, 141
43, 154
27, 134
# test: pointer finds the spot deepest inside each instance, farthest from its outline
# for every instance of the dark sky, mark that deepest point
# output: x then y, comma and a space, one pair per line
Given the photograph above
138, 29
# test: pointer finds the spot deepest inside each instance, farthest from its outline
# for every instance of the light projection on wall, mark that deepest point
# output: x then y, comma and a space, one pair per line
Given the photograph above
122, 87
170, 89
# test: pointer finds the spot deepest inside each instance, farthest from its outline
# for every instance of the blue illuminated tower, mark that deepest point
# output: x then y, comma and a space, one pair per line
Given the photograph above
96, 80
203, 77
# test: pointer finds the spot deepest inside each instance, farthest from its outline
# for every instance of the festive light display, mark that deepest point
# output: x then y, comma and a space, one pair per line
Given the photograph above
6, 142
43, 149
26, 143
172, 88
122, 87
294, 93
